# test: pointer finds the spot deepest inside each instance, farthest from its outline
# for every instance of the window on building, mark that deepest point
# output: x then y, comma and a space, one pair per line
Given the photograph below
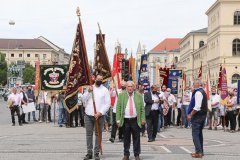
36, 55
20, 55
235, 78
28, 55
237, 17
201, 43
236, 47
44, 56
176, 59
12, 55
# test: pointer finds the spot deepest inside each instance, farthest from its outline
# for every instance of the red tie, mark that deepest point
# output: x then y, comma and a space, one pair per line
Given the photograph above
131, 106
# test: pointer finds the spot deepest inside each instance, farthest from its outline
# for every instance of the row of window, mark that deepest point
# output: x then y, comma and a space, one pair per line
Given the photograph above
28, 55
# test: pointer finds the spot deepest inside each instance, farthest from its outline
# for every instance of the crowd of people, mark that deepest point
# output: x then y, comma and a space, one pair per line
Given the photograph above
130, 112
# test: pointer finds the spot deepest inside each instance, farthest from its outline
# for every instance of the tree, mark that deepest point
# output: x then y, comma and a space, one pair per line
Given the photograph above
3, 70
29, 74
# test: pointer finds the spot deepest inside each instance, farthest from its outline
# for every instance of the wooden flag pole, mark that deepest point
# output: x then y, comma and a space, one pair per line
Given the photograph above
107, 58
88, 71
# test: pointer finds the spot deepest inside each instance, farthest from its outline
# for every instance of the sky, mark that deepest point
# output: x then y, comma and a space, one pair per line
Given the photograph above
127, 21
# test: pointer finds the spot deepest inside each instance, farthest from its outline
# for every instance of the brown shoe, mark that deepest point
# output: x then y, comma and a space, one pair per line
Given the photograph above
137, 158
196, 155
125, 158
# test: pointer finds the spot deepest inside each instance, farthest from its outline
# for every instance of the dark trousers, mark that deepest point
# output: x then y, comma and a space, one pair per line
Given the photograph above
49, 113
131, 128
179, 117
23, 117
74, 115
80, 114
152, 124
167, 118
115, 127
17, 110
197, 135
232, 119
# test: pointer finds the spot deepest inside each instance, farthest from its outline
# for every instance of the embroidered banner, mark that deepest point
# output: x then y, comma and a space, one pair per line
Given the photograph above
174, 75
53, 77
143, 73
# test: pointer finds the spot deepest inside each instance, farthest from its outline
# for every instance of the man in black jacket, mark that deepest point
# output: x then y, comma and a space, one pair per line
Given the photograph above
31, 98
151, 111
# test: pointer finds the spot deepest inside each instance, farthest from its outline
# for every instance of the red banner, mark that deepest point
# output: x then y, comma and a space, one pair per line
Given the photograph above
37, 79
164, 74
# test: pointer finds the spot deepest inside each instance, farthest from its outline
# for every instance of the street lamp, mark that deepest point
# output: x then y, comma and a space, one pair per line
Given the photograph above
11, 23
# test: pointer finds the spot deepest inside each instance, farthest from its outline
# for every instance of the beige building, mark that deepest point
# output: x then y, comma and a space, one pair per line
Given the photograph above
165, 54
222, 45
20, 51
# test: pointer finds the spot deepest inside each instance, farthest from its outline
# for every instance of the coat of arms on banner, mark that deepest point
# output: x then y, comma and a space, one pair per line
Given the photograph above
53, 77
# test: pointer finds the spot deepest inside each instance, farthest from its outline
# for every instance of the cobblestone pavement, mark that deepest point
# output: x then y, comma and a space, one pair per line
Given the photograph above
46, 141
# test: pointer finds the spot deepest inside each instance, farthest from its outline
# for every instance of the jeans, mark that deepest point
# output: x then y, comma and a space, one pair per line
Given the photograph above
33, 115
17, 110
43, 112
62, 118
197, 135
131, 129
90, 124
185, 122
160, 121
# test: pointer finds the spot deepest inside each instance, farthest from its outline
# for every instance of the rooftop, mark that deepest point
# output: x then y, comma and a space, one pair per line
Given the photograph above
169, 44
23, 44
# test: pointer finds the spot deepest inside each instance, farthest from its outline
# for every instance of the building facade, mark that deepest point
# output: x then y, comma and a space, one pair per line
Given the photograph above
222, 45
165, 54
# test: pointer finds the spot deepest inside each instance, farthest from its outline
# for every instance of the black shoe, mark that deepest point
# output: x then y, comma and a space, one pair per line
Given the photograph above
150, 140
88, 156
96, 156
35, 120
13, 124
111, 140
25, 122
20, 124
137, 158
125, 158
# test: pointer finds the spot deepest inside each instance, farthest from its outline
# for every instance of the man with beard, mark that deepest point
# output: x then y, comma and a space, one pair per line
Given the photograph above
102, 101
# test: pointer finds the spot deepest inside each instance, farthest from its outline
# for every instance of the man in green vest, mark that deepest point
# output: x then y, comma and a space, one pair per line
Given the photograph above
130, 115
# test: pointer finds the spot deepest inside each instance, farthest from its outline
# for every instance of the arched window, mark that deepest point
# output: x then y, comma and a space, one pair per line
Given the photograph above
236, 47
176, 59
237, 17
235, 78
201, 43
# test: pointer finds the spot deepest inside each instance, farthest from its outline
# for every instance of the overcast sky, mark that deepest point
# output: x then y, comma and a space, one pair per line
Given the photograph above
129, 21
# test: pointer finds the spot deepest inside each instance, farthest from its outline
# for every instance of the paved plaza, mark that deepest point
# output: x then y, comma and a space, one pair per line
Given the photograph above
46, 141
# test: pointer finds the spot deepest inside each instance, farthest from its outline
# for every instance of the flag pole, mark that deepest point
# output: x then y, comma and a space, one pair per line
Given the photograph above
88, 72
107, 58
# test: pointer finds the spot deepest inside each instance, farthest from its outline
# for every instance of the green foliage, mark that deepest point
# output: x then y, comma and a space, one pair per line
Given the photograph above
29, 74
3, 70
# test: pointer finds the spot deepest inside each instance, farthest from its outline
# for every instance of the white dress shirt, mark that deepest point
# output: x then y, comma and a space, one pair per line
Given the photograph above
154, 105
215, 98
102, 100
127, 109
15, 98
114, 94
198, 101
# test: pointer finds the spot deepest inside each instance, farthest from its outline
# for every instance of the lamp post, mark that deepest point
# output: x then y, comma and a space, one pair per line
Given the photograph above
11, 23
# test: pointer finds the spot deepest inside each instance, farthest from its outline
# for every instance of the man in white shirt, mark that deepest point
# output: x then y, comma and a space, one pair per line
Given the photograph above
102, 101
151, 111
16, 100
215, 101
197, 113
114, 125
171, 100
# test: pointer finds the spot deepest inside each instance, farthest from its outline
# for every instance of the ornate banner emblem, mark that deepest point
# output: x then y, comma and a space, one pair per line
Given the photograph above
174, 76
53, 77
